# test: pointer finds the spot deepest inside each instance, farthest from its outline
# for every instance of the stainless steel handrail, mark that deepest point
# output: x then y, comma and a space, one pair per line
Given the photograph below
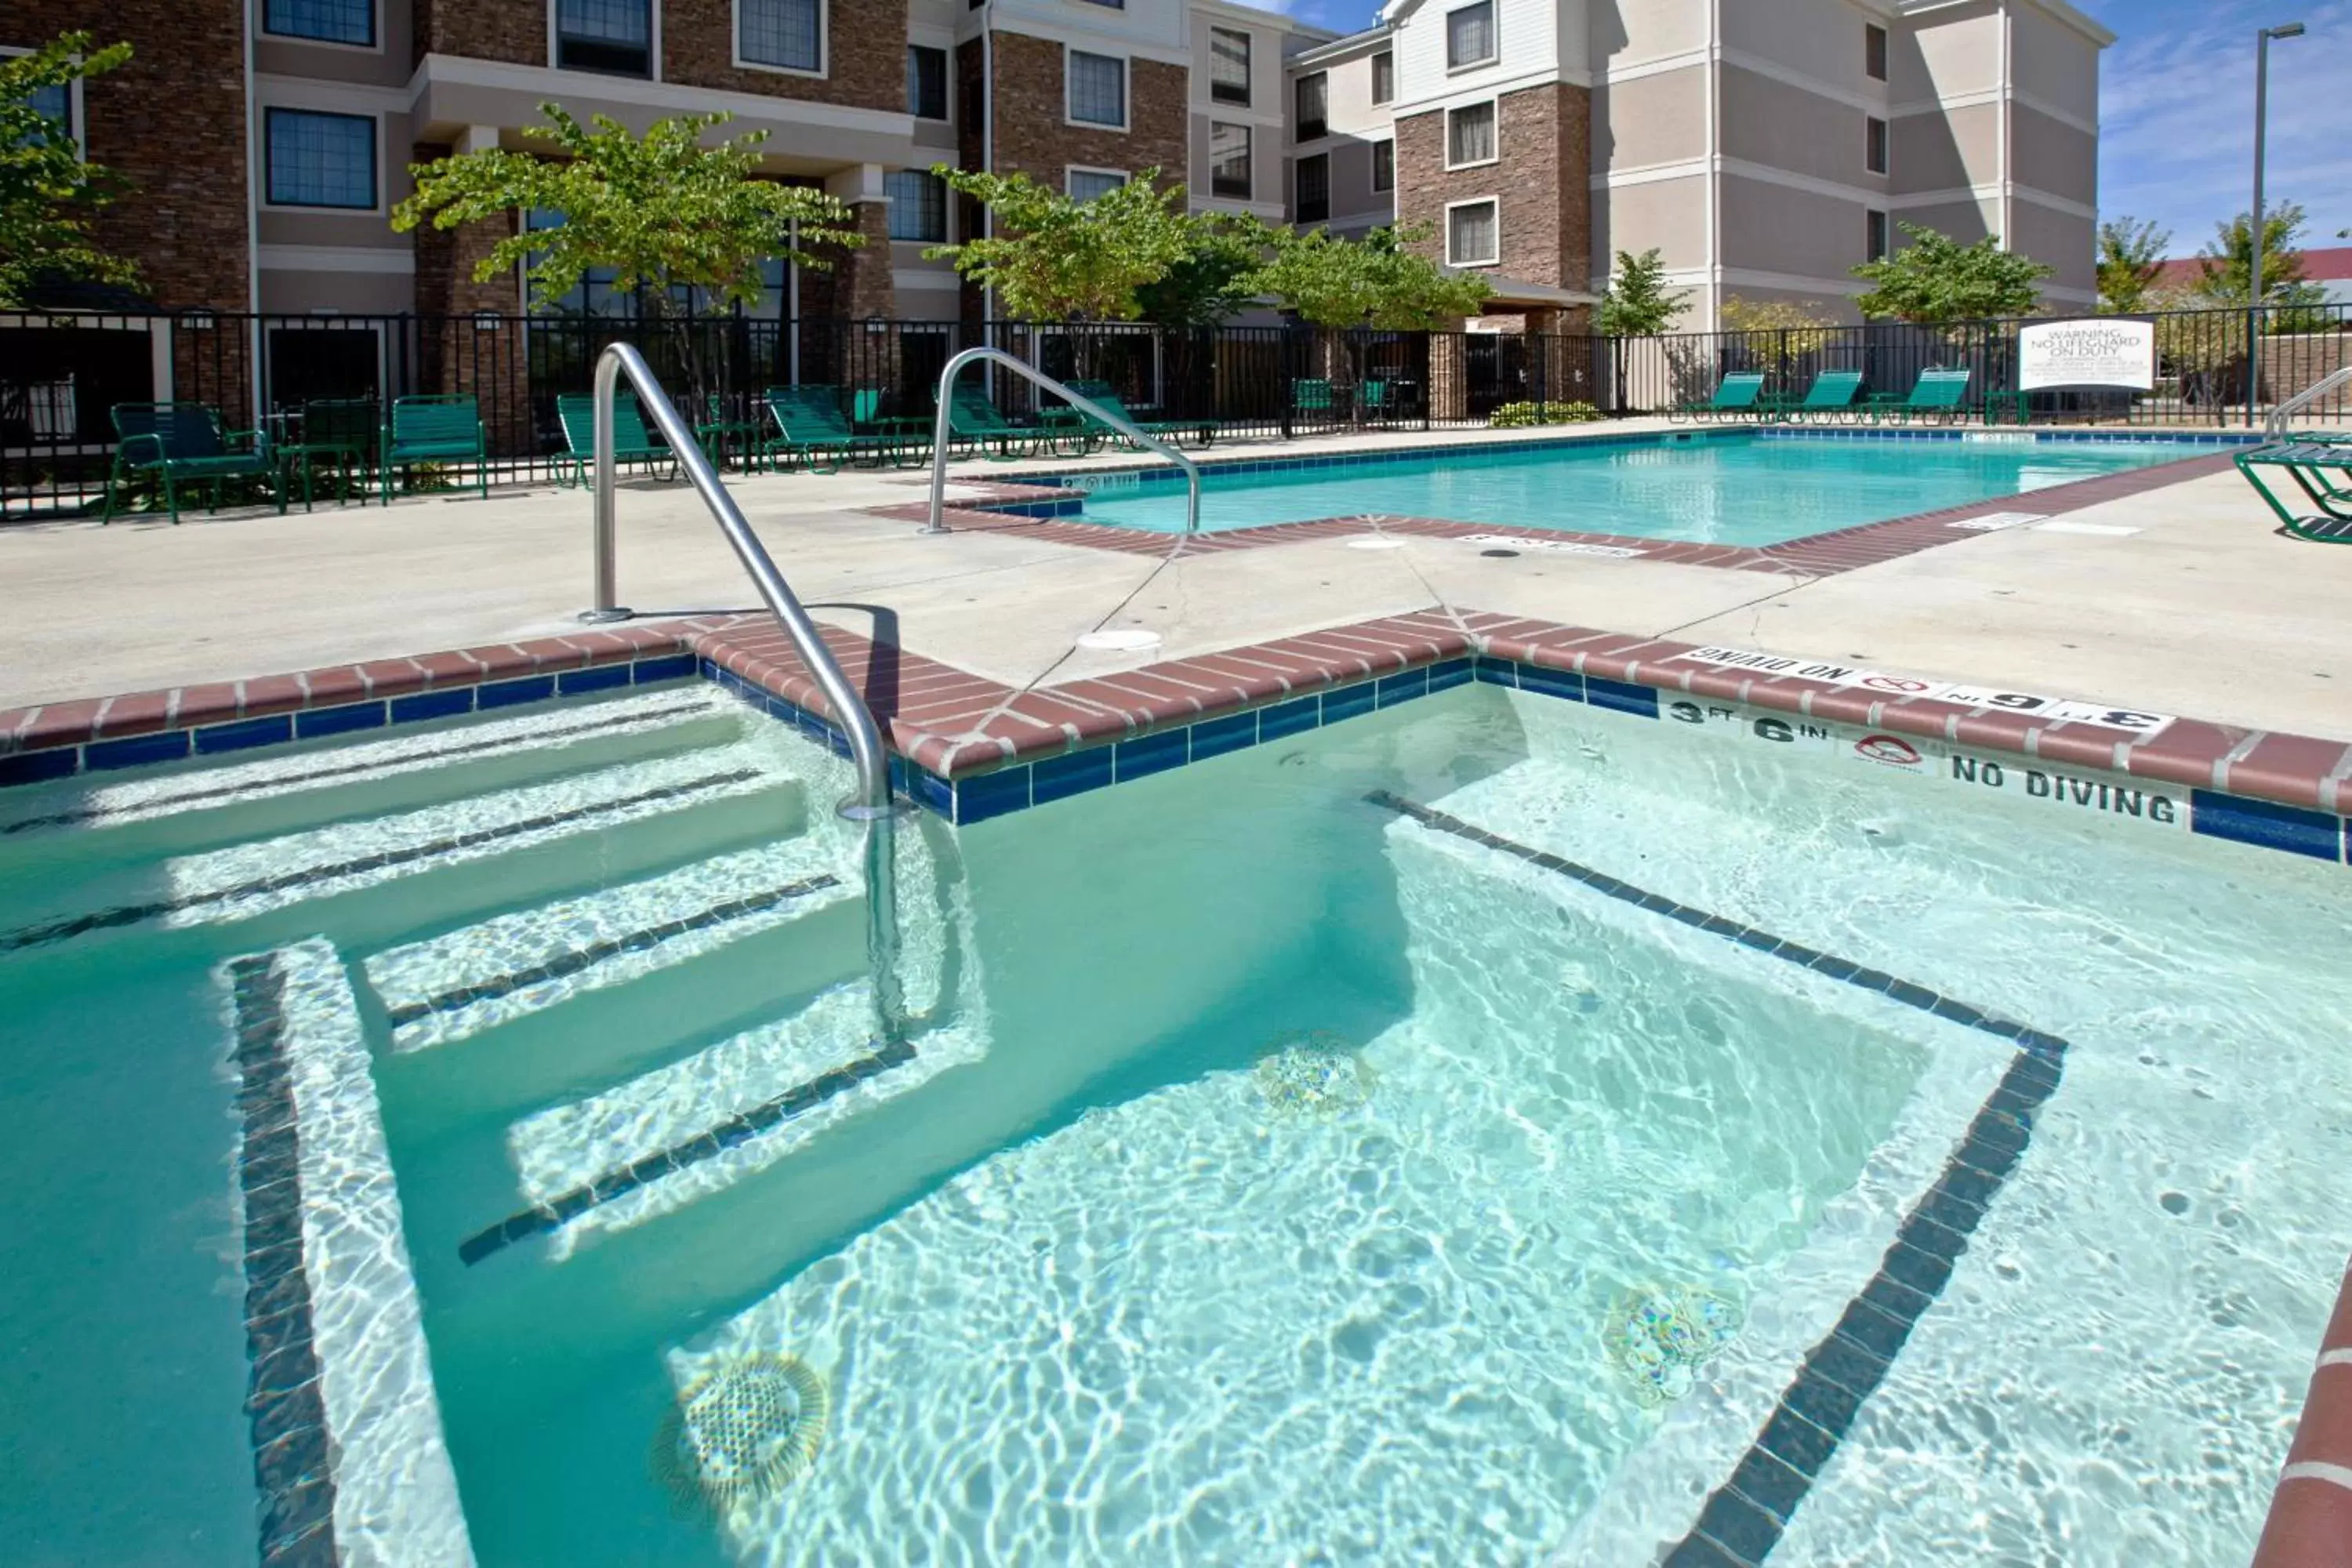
943, 431
873, 803
2275, 429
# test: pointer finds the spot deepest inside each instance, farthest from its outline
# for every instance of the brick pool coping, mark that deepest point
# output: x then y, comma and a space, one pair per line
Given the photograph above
998, 508
2310, 1524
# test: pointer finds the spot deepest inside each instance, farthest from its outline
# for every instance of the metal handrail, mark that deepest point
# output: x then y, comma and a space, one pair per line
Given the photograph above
943, 431
2275, 429
873, 803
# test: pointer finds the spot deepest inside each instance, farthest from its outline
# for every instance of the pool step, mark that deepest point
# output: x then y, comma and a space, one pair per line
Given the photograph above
487, 851
220, 802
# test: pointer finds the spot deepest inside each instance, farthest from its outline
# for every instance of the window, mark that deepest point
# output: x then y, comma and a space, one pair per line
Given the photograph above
1470, 135
1384, 166
919, 205
1874, 51
1383, 77
1229, 66
927, 83
615, 36
55, 104
321, 160
1873, 147
1315, 188
788, 35
324, 21
1229, 161
1470, 36
1314, 106
1085, 185
1874, 241
1473, 234
1097, 88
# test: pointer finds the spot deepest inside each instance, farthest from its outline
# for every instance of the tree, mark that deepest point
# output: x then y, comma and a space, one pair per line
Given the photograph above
1637, 303
1056, 258
1937, 280
2229, 261
1217, 277
1381, 281
2131, 258
47, 193
1798, 329
680, 224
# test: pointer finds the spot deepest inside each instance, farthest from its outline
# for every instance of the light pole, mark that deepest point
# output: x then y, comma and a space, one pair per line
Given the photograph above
2255, 292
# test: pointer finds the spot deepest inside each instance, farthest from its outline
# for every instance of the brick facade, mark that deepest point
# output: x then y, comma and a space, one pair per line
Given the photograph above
183, 217
454, 355
1033, 137
483, 30
865, 65
1545, 139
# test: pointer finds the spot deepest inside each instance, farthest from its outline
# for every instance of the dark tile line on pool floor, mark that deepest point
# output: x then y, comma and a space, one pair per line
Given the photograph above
290, 1448
1744, 1518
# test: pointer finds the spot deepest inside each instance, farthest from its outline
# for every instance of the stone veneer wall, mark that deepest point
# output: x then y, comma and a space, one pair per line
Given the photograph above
170, 122
1545, 138
1033, 138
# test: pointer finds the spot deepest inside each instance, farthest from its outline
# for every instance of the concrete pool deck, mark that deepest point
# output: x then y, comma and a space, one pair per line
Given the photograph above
2199, 608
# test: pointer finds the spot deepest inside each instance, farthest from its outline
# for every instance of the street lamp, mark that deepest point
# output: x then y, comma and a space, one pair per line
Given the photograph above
2255, 292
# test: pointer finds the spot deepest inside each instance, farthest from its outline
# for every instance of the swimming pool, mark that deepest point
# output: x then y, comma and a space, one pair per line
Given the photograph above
1348, 1149
1708, 488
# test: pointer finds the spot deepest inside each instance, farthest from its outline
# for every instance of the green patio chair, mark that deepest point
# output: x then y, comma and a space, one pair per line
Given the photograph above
1937, 392
632, 442
339, 433
1832, 396
812, 429
974, 419
1738, 393
1382, 401
2322, 469
184, 441
1204, 431
439, 427
1314, 401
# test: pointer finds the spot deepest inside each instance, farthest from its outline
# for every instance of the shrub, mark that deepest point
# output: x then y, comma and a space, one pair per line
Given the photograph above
1515, 415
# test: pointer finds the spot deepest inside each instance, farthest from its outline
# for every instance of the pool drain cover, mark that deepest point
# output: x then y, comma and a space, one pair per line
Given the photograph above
740, 1432
1311, 1072
1661, 1338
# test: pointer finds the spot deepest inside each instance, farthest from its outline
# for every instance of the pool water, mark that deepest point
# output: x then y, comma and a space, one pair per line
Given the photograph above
1717, 491
1275, 1178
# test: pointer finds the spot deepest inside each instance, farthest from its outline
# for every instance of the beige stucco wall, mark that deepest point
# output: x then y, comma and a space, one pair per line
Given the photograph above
1669, 216
1824, 42
1650, 119
1629, 32
1955, 149
2065, 240
2054, 63
1783, 127
1773, 228
2051, 155
1947, 53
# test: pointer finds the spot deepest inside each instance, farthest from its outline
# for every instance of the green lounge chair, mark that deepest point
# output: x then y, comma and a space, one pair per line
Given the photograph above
974, 419
1937, 392
1831, 395
632, 442
1314, 401
1738, 393
811, 428
2322, 469
338, 433
1201, 430
180, 441
440, 428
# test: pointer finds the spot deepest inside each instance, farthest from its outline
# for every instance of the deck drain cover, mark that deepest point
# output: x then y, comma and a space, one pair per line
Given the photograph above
740, 1433
1129, 640
1500, 554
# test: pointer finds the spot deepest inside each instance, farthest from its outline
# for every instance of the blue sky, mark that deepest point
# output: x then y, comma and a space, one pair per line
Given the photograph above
2178, 108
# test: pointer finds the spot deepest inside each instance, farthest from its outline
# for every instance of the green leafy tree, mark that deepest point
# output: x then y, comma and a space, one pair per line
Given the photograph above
1935, 279
1056, 258
1802, 328
682, 223
1217, 277
1637, 303
2228, 263
1383, 280
2131, 258
47, 193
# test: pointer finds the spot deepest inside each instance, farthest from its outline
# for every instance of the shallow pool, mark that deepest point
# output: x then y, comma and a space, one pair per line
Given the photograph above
1746, 490
1294, 1161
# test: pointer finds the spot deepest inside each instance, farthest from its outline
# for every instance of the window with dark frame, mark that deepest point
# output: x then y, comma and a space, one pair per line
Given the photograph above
1315, 188
1229, 160
927, 83
1229, 66
1097, 88
322, 21
786, 34
1470, 35
1874, 51
1384, 77
1874, 150
611, 38
1875, 236
919, 205
320, 160
1384, 166
1313, 107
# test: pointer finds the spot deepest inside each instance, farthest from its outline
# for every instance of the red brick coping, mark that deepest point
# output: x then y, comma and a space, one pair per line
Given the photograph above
2311, 1516
1818, 555
956, 724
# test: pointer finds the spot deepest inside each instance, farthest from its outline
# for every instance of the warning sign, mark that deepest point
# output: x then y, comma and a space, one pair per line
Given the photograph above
2057, 708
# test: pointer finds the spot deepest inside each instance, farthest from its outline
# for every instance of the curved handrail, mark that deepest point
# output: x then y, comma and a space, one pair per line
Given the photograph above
942, 432
872, 805
2275, 429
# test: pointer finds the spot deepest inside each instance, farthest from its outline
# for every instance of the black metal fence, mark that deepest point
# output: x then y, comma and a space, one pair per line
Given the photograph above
62, 375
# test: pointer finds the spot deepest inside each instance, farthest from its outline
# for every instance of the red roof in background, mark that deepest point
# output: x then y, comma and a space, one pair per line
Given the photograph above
2331, 265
